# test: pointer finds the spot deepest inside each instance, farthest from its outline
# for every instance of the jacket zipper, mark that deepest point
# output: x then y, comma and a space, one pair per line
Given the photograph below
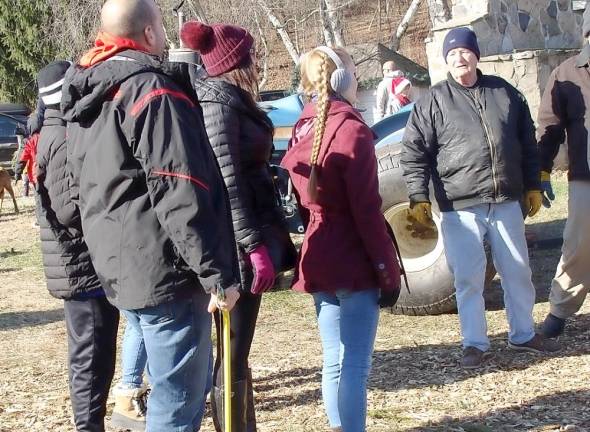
489, 140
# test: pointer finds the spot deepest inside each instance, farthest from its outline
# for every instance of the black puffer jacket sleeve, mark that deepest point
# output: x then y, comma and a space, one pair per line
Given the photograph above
185, 188
419, 150
223, 128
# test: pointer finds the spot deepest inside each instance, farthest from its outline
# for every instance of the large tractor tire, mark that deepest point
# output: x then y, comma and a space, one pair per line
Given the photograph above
430, 280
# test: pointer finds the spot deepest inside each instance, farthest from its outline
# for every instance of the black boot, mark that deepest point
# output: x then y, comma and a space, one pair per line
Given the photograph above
239, 403
250, 414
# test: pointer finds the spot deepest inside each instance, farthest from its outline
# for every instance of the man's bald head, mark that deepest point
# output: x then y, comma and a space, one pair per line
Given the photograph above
139, 20
128, 18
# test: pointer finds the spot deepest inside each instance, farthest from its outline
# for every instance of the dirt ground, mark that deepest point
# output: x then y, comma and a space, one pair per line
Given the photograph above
415, 385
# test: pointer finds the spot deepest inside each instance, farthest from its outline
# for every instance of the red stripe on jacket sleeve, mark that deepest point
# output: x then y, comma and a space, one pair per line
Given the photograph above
193, 180
146, 99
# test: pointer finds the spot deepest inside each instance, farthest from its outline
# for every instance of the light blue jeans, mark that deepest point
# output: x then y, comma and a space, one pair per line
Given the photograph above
134, 359
348, 324
463, 234
177, 338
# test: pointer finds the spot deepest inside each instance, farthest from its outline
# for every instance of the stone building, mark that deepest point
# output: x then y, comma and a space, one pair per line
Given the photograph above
520, 40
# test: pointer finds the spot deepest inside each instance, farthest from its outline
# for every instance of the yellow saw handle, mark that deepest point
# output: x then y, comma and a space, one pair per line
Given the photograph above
226, 371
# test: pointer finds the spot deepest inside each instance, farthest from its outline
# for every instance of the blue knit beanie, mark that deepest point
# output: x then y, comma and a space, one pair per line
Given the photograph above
460, 37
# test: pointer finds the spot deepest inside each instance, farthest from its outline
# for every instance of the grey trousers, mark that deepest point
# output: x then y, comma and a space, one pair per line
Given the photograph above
572, 278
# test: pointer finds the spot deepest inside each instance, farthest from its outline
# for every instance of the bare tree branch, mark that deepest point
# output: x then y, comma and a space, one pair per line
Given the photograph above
280, 29
403, 25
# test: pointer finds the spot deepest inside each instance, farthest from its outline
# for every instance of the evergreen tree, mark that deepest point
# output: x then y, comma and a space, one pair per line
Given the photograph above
24, 47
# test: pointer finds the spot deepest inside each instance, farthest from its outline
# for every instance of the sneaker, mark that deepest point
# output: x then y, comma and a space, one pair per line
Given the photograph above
552, 326
538, 344
473, 357
130, 408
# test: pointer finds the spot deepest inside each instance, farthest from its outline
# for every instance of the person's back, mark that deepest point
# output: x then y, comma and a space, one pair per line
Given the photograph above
91, 321
153, 204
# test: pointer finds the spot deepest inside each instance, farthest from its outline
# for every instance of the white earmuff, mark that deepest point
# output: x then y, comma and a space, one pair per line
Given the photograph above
341, 79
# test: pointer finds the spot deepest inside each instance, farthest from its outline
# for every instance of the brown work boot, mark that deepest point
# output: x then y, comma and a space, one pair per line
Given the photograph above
538, 344
473, 357
130, 408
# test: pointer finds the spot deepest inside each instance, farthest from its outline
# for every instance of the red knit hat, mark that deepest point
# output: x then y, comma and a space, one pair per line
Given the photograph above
222, 47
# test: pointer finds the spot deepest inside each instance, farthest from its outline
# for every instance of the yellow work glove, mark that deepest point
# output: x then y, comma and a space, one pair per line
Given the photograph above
422, 212
532, 201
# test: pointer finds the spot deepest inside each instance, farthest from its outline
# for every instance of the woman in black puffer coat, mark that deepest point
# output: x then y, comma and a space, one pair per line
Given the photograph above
241, 137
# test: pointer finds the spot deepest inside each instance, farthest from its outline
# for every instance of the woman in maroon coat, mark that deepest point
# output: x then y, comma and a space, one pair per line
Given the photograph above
347, 262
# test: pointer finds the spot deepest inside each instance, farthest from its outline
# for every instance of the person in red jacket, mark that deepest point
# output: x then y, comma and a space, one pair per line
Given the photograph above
26, 161
347, 261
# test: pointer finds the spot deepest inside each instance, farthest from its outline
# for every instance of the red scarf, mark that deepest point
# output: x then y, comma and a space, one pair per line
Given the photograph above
107, 45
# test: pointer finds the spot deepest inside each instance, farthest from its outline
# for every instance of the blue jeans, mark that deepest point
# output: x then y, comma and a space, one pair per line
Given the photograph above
348, 324
133, 358
463, 234
177, 338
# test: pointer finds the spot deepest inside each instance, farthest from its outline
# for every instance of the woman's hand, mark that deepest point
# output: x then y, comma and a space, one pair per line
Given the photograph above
264, 272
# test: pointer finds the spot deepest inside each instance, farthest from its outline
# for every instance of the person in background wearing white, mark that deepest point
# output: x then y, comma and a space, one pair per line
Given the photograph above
384, 107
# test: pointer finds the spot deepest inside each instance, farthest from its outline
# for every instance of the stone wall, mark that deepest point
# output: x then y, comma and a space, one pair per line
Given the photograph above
528, 71
508, 26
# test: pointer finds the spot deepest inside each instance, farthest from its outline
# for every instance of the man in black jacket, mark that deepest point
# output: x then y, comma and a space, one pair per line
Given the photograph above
91, 321
474, 137
153, 204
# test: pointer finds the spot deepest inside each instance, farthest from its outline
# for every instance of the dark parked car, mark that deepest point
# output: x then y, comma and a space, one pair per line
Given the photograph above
13, 119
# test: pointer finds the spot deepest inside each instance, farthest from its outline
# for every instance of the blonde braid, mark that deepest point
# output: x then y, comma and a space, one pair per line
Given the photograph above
322, 105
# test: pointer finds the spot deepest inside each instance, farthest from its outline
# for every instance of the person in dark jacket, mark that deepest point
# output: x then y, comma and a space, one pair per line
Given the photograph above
563, 112
347, 261
153, 204
240, 134
473, 135
91, 321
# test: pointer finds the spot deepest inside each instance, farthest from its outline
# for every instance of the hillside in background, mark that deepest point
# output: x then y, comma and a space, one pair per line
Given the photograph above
362, 25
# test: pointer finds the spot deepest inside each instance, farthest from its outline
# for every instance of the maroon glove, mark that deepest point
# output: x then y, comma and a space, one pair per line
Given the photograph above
264, 272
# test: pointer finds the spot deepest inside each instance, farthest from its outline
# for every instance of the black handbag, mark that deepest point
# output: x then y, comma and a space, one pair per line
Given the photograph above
281, 249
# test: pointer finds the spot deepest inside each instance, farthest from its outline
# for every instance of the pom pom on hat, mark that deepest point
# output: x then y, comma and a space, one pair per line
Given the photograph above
196, 36
222, 47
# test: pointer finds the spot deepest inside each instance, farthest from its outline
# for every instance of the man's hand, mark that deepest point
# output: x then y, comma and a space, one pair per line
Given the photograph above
547, 189
422, 212
532, 202
230, 297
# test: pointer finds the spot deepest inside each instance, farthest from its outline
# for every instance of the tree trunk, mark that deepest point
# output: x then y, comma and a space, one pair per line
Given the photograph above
335, 22
280, 29
326, 27
403, 25
264, 77
439, 11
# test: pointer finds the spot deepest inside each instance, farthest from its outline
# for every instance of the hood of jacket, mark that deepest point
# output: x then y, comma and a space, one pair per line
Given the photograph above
85, 89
